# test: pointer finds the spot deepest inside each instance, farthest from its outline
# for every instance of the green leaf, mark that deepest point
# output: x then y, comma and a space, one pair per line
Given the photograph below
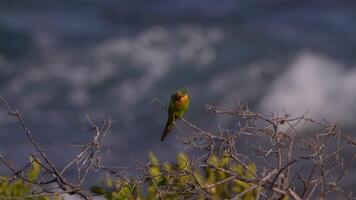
214, 160
98, 190
109, 182
35, 170
153, 158
183, 161
125, 192
162, 182
225, 160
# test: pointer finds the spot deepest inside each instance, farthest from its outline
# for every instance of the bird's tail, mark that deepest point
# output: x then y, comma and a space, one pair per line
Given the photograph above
169, 126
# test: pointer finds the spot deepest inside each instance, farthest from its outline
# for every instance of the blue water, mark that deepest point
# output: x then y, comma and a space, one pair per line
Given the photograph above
62, 60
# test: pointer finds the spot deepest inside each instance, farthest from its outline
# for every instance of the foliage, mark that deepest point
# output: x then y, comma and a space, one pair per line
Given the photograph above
15, 188
300, 158
180, 180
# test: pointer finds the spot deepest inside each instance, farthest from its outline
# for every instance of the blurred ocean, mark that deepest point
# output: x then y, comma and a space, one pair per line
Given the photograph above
62, 60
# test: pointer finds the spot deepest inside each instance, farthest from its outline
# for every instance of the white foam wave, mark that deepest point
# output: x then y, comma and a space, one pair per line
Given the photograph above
317, 85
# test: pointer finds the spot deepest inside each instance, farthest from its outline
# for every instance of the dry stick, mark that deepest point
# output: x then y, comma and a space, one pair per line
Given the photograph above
237, 176
244, 166
312, 191
244, 192
281, 169
51, 168
14, 170
344, 171
36, 195
291, 146
205, 133
88, 155
87, 159
223, 181
241, 112
80, 155
63, 185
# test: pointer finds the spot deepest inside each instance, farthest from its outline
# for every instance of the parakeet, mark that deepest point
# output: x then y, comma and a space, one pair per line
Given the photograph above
177, 107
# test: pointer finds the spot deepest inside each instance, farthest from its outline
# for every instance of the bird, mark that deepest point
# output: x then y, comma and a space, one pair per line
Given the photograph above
177, 107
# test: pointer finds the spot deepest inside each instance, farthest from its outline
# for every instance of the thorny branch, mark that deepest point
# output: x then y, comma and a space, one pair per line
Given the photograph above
296, 157
280, 145
84, 160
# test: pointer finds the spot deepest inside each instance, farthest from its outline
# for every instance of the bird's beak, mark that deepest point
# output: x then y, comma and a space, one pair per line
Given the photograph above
184, 97
178, 97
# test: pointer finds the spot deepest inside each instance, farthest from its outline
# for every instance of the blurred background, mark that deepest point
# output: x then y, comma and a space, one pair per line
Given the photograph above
62, 60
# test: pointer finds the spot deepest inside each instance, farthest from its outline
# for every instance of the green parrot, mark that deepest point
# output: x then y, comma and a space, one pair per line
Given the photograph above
177, 107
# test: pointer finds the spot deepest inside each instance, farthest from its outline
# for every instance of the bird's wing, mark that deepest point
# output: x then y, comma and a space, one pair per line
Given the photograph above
169, 125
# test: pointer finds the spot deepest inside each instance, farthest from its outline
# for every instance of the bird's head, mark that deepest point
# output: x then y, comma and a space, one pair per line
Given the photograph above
181, 95
182, 91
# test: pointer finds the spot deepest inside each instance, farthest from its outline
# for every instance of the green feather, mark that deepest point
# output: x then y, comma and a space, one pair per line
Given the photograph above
175, 110
169, 126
